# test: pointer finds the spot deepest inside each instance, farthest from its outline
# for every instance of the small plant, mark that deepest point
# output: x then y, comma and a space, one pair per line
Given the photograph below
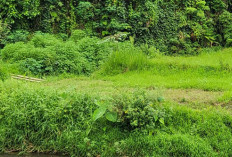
150, 51
107, 110
224, 66
143, 114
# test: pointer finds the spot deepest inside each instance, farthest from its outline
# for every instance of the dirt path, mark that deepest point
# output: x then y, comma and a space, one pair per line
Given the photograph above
192, 95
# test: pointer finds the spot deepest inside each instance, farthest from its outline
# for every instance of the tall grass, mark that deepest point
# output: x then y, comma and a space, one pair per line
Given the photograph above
124, 61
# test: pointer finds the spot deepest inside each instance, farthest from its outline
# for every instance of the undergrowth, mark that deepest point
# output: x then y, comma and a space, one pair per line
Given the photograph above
45, 54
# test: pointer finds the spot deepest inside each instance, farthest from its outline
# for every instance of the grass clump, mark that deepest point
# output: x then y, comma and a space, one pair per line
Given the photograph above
125, 58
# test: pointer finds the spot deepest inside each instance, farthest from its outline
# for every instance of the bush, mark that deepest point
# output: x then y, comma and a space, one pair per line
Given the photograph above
134, 111
77, 35
94, 52
30, 65
17, 36
45, 54
43, 40
141, 113
150, 51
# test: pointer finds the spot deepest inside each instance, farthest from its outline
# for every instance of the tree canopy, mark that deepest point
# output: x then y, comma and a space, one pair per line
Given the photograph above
173, 26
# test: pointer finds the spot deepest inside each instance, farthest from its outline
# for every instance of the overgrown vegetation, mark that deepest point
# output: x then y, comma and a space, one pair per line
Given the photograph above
65, 117
36, 119
47, 54
174, 27
120, 78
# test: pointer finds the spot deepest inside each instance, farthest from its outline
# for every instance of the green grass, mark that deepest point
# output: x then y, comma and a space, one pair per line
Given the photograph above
206, 58
183, 80
124, 60
166, 106
206, 72
44, 119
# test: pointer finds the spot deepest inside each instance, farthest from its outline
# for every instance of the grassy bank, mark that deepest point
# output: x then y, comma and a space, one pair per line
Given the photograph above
132, 105
35, 118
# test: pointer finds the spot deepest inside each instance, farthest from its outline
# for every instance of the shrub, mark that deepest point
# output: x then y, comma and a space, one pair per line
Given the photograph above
16, 52
77, 35
68, 59
17, 36
43, 40
94, 52
133, 111
142, 112
45, 54
150, 51
30, 65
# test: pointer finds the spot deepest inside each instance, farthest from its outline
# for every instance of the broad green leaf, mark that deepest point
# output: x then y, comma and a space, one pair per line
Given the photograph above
112, 116
155, 117
161, 120
105, 33
54, 14
98, 113
88, 130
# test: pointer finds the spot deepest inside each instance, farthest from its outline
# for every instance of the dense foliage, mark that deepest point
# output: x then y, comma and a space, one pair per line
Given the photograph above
123, 44
47, 54
172, 26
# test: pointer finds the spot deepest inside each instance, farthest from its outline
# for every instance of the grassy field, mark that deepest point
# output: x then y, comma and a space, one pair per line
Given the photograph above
188, 98
207, 72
